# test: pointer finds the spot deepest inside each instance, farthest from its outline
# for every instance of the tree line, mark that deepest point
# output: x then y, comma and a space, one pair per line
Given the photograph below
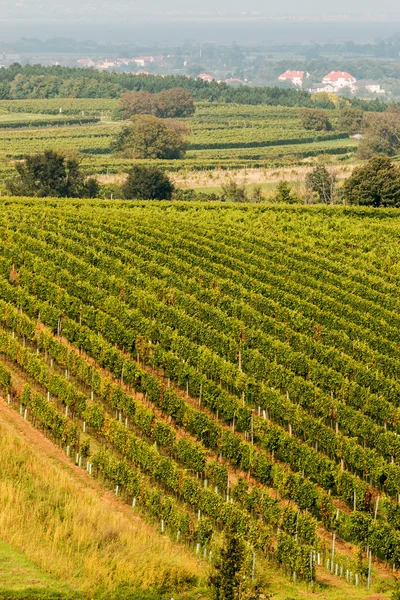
39, 82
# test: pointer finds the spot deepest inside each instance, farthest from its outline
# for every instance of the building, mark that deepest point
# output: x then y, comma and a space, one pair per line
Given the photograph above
367, 85
205, 77
142, 61
294, 77
86, 62
339, 80
317, 88
234, 82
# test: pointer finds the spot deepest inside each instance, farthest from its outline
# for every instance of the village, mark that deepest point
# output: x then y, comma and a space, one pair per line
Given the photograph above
335, 82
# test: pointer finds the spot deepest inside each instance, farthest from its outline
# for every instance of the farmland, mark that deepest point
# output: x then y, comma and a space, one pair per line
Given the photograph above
223, 136
218, 367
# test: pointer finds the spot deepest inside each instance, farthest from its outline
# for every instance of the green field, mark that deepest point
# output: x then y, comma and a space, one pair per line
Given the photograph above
219, 366
223, 136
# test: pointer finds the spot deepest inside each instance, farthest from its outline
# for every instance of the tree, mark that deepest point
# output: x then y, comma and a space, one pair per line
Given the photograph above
322, 183
284, 193
147, 136
232, 192
317, 120
351, 119
51, 174
147, 183
137, 103
175, 103
377, 183
225, 581
382, 135
168, 104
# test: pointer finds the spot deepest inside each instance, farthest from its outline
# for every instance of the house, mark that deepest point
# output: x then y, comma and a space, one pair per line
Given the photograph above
86, 62
294, 77
317, 88
339, 80
142, 61
367, 85
205, 77
234, 82
108, 63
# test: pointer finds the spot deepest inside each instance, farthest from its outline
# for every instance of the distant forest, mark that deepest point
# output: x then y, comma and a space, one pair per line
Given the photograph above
36, 82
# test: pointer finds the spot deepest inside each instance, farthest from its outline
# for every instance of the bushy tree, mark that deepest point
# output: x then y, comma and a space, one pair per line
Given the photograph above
382, 135
322, 183
137, 103
233, 192
225, 580
176, 103
168, 104
147, 183
377, 183
351, 119
284, 193
315, 119
51, 173
147, 136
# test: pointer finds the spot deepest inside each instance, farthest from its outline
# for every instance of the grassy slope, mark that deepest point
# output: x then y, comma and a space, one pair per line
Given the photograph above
22, 577
71, 530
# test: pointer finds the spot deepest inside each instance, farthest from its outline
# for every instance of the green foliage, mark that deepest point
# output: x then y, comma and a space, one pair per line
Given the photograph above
322, 183
147, 183
175, 103
147, 136
382, 134
377, 183
284, 193
315, 119
225, 580
351, 119
51, 174
233, 192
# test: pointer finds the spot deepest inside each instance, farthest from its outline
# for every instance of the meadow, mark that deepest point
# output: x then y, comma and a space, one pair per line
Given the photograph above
218, 367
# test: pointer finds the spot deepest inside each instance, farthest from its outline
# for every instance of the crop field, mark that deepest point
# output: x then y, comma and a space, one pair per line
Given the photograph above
218, 367
223, 136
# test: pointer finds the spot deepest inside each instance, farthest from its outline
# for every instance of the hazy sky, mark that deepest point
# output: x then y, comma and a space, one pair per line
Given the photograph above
267, 7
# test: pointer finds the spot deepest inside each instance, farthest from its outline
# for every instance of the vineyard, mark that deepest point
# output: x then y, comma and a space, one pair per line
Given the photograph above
217, 368
223, 136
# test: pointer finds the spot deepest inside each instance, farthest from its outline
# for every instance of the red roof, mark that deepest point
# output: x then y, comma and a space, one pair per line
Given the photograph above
290, 75
205, 77
336, 75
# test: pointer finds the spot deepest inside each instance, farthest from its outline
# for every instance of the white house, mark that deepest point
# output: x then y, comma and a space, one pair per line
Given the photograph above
317, 88
367, 85
294, 77
339, 80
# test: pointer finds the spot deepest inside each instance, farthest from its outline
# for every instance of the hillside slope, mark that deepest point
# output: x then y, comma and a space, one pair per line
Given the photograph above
79, 536
218, 367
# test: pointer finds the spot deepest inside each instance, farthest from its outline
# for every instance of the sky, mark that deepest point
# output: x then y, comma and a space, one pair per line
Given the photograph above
178, 21
266, 7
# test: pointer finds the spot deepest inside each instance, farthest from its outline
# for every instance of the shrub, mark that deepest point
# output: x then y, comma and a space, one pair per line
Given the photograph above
147, 136
147, 183
377, 183
314, 119
322, 183
51, 174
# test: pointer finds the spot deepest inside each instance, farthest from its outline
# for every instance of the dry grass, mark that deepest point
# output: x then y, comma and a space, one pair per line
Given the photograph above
204, 179
69, 531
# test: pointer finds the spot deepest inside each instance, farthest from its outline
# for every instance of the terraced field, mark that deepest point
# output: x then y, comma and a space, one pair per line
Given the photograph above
218, 366
222, 135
